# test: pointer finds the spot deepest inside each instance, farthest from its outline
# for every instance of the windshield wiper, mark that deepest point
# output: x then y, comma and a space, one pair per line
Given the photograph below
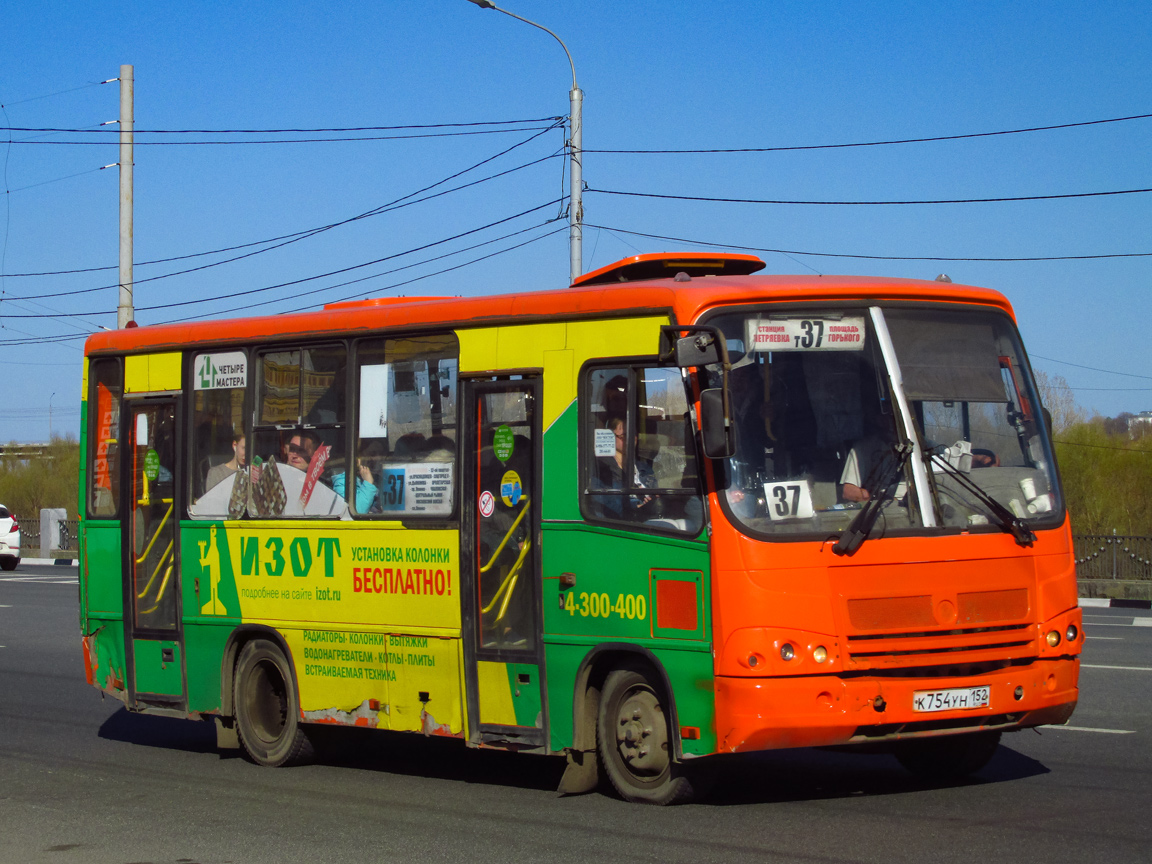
857, 532
1007, 520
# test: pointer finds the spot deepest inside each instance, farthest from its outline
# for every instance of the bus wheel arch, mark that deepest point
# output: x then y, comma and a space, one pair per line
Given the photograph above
266, 701
615, 678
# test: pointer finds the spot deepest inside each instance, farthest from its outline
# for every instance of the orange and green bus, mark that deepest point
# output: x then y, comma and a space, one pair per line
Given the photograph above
674, 510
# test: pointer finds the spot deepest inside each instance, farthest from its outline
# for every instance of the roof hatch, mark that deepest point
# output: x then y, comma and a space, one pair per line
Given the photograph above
664, 265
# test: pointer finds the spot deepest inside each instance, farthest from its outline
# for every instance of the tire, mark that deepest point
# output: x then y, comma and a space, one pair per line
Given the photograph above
634, 743
267, 707
9, 562
951, 757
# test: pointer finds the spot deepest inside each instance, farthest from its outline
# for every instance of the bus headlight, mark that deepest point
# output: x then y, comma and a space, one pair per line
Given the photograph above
787, 652
819, 653
1072, 633
1053, 638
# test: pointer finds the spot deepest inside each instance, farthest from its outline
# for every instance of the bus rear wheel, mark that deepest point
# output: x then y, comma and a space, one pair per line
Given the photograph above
951, 757
267, 706
634, 744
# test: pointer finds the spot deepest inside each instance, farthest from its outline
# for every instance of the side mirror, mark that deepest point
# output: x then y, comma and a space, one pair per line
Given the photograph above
699, 349
718, 434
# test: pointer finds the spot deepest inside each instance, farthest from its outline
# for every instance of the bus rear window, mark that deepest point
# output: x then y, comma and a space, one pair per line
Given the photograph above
103, 428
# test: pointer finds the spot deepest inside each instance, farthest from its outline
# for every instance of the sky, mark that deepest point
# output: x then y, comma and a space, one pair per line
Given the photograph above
730, 74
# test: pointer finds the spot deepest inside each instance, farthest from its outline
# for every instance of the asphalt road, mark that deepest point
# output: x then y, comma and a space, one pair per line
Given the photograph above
81, 780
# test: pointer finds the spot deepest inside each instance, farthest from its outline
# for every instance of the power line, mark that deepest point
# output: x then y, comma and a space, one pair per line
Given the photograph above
55, 180
1092, 368
58, 92
1103, 447
867, 203
378, 211
137, 143
346, 269
386, 273
881, 143
867, 257
299, 235
139, 131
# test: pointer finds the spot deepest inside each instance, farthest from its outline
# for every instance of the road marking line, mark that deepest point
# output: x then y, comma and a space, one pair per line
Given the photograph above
1091, 729
41, 580
1142, 622
1108, 625
1107, 638
1126, 668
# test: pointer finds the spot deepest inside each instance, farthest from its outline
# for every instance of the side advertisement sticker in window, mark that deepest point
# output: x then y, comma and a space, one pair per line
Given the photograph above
805, 334
221, 371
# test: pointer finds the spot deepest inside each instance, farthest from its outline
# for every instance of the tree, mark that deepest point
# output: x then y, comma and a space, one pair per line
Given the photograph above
1057, 397
29, 484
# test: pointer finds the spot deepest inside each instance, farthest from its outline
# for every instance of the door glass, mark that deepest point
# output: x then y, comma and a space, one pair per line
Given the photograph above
153, 547
504, 517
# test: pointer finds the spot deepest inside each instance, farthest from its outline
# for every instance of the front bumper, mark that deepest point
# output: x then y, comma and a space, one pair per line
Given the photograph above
821, 710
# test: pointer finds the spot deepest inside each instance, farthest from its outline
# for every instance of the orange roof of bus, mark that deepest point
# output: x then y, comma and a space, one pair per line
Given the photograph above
685, 300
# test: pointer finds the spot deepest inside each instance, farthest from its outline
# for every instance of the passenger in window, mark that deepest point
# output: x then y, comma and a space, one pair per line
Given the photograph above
610, 474
410, 447
365, 487
299, 449
867, 456
219, 473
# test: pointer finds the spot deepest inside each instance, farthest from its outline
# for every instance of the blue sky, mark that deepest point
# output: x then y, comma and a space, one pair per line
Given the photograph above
664, 75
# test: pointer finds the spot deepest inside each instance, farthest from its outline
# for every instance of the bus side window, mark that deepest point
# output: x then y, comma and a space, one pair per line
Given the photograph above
298, 466
103, 464
639, 448
218, 444
405, 444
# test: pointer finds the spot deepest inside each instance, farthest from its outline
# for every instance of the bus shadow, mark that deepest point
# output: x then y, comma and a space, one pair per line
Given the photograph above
778, 776
409, 754
782, 776
169, 733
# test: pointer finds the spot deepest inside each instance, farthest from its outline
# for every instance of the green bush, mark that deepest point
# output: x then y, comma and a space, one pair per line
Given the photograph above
1107, 478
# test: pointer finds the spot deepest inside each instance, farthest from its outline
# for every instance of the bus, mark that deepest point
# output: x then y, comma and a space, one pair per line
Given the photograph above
674, 510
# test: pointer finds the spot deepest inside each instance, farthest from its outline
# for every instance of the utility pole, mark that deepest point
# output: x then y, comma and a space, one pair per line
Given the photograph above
124, 312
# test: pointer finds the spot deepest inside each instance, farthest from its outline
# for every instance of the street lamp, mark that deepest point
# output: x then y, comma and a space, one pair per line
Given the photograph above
575, 202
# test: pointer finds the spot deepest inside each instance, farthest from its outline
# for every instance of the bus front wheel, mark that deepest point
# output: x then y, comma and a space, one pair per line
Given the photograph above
634, 744
950, 757
267, 706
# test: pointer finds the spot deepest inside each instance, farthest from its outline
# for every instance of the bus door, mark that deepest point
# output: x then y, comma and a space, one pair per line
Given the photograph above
500, 561
153, 636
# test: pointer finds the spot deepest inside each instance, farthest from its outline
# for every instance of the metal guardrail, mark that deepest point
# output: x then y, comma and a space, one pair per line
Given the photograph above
30, 538
1113, 557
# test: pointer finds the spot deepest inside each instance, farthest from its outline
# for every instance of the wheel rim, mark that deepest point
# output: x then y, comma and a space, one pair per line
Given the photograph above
267, 702
642, 733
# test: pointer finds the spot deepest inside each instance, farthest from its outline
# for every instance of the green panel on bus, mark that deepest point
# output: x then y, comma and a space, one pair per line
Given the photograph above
102, 555
157, 666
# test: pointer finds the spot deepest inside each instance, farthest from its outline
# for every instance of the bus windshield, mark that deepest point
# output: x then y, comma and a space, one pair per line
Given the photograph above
828, 403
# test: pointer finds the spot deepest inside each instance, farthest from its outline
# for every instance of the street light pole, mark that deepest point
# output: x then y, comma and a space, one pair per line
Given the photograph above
575, 143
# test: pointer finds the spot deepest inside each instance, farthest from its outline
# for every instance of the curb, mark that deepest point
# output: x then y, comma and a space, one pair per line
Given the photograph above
59, 562
1115, 603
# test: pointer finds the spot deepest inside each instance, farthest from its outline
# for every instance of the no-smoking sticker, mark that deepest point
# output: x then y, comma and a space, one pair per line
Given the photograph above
487, 504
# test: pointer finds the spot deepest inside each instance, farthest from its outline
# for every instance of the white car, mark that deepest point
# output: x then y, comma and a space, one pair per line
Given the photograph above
9, 539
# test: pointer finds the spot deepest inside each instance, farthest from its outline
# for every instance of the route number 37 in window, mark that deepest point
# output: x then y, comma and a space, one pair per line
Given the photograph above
630, 606
791, 499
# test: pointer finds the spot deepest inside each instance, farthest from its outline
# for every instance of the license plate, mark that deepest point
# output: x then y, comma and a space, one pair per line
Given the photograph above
951, 700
